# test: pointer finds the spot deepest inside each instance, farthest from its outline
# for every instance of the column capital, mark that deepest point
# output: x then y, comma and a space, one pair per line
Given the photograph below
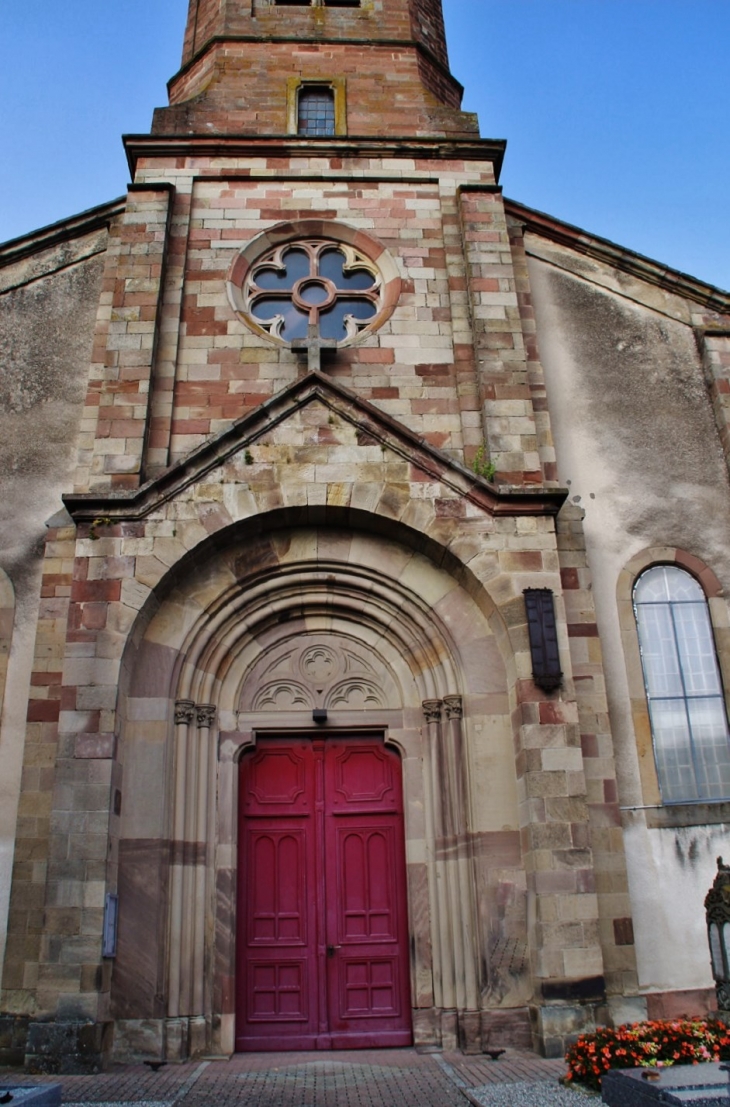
184, 711
454, 707
432, 710
206, 714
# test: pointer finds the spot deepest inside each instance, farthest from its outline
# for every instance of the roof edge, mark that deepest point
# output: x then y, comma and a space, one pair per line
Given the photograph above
603, 249
65, 230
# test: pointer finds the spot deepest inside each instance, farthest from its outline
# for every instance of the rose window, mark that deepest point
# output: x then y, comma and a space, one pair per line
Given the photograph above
316, 289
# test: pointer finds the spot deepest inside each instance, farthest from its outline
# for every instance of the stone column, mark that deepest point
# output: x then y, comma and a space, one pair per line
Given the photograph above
462, 876
453, 928
176, 1032
199, 907
442, 988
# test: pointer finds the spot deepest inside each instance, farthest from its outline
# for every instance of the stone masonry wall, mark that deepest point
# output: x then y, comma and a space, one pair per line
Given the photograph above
208, 368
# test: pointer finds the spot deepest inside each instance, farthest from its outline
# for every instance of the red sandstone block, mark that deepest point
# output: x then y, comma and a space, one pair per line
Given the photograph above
582, 630
68, 698
127, 428
551, 711
93, 616
610, 791
45, 680
96, 590
589, 745
43, 711
191, 426
376, 356
569, 578
522, 561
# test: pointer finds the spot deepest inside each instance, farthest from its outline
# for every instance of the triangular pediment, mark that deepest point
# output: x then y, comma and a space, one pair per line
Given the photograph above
320, 426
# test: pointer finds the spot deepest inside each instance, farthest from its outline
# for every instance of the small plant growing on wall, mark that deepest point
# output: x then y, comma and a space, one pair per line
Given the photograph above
481, 464
100, 521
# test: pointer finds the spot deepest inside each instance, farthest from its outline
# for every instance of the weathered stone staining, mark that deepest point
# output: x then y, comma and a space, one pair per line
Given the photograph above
218, 536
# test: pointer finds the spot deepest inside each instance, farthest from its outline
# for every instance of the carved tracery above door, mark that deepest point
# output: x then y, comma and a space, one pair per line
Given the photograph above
319, 671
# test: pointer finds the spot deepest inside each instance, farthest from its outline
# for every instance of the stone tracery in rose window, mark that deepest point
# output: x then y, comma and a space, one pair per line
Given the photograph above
313, 288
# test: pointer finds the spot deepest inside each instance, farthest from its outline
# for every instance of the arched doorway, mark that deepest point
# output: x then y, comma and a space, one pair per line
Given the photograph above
258, 640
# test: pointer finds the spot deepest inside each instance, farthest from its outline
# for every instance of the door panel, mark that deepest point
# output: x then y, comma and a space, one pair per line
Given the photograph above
277, 895
368, 981
323, 944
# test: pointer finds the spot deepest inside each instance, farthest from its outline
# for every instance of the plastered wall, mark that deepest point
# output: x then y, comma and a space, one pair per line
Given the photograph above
47, 309
638, 445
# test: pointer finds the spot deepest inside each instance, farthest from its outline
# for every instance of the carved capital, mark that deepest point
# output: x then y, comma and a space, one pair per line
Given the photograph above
184, 712
206, 714
454, 707
432, 710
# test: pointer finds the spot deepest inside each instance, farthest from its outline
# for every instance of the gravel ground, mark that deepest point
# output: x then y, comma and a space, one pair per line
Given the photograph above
542, 1094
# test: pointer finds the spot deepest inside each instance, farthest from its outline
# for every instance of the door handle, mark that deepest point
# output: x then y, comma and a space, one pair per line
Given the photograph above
332, 949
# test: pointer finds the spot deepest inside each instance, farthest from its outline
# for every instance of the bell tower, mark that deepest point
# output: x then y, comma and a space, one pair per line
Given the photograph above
244, 62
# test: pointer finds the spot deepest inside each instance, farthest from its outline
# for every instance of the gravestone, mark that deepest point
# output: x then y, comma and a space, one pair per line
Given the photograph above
703, 1085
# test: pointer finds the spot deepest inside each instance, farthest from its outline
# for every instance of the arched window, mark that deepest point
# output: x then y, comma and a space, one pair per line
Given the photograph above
316, 114
683, 686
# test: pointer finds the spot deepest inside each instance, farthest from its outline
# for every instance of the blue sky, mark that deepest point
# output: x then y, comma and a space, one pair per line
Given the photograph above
616, 111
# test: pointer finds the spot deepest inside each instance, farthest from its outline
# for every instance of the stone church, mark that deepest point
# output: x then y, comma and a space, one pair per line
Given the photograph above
364, 640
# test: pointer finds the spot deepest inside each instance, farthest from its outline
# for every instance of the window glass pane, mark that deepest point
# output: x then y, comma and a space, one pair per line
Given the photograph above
696, 649
296, 266
296, 323
332, 322
667, 582
314, 293
672, 749
332, 265
681, 586
710, 738
316, 111
651, 586
659, 650
718, 966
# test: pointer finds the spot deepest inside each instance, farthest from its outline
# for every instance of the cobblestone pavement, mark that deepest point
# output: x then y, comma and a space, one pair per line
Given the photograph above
367, 1078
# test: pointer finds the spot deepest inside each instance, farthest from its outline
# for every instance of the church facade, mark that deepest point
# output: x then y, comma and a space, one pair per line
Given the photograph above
365, 546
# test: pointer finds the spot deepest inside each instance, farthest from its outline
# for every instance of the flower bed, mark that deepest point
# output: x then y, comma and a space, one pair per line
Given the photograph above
660, 1042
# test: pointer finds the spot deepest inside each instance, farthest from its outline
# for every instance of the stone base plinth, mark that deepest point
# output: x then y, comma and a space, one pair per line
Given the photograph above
555, 1028
67, 1048
13, 1039
676, 1086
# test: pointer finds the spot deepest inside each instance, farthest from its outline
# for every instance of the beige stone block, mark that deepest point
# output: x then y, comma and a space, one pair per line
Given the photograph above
562, 759
578, 908
583, 962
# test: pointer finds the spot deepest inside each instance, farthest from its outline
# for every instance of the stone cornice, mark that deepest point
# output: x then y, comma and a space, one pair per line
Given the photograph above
289, 146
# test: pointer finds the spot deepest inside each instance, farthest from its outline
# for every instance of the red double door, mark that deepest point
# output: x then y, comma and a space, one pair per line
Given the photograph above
322, 954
